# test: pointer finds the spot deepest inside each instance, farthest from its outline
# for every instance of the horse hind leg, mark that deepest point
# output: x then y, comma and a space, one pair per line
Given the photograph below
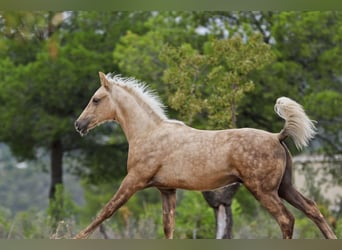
308, 207
296, 199
264, 186
273, 204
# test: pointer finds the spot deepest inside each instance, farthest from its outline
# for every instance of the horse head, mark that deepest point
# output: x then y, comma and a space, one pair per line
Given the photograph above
99, 109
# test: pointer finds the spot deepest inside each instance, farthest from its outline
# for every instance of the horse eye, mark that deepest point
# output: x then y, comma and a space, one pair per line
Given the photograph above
96, 100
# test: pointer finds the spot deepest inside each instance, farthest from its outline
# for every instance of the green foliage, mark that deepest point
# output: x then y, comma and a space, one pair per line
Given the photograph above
214, 82
61, 208
338, 229
194, 218
22, 34
33, 222
21, 226
328, 118
134, 44
5, 222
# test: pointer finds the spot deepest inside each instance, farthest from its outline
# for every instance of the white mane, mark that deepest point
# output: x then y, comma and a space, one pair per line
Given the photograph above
140, 89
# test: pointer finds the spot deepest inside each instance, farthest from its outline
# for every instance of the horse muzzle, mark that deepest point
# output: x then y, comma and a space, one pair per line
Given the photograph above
81, 126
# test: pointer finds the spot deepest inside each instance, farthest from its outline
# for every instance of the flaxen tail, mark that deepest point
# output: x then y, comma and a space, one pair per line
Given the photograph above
297, 124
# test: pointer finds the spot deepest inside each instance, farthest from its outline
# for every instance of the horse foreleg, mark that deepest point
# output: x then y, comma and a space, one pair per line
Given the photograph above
169, 207
127, 188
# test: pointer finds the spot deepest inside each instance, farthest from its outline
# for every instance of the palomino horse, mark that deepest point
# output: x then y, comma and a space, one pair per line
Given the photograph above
167, 154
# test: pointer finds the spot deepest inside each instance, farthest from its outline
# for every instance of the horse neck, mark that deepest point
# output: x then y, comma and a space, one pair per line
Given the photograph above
135, 117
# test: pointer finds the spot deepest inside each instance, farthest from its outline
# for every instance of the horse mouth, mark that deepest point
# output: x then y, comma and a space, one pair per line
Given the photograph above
82, 127
83, 132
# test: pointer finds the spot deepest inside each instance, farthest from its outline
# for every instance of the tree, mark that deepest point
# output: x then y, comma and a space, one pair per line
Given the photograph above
50, 61
213, 83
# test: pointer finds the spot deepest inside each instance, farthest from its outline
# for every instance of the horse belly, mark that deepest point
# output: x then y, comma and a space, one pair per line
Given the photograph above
198, 182
195, 171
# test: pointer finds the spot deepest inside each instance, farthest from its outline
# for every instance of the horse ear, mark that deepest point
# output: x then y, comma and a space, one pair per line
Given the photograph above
104, 81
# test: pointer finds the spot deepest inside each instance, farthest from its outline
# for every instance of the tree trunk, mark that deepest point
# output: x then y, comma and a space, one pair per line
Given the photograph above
56, 166
56, 202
